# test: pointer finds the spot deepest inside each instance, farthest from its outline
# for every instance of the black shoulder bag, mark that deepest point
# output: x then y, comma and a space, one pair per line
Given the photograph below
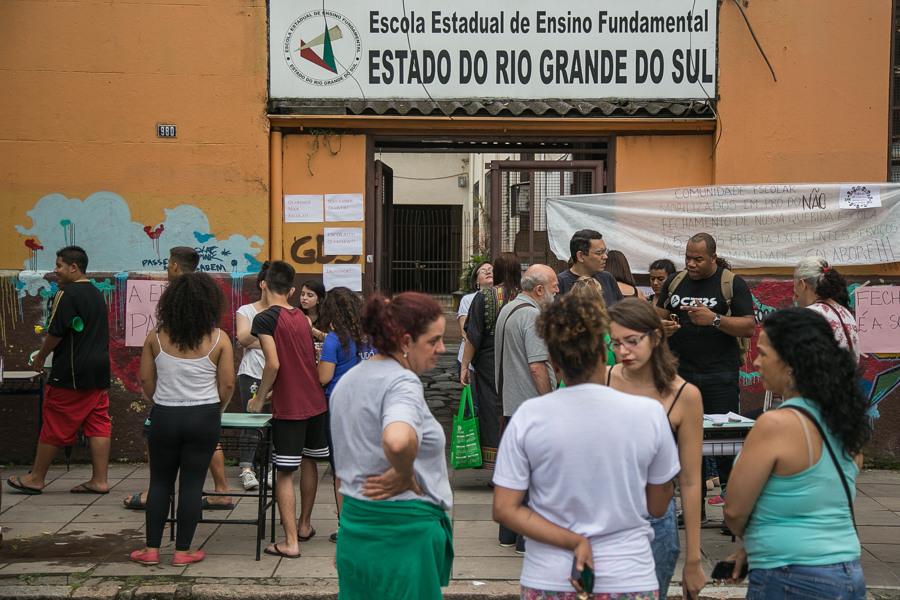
834, 459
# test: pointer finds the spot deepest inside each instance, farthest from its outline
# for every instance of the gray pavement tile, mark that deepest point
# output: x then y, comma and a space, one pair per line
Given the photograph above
130, 569
878, 535
886, 552
123, 530
12, 498
879, 574
481, 547
881, 490
32, 512
225, 565
475, 529
306, 566
47, 567
473, 497
109, 514
884, 518
879, 476
13, 530
54, 499
479, 567
863, 502
889, 502
473, 512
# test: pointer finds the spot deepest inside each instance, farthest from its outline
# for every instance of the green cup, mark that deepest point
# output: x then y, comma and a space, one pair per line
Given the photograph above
77, 324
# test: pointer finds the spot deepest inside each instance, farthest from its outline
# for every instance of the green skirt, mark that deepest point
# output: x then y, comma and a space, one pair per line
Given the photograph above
393, 550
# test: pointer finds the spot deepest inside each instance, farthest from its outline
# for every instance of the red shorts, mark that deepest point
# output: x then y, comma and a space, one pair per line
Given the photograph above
67, 410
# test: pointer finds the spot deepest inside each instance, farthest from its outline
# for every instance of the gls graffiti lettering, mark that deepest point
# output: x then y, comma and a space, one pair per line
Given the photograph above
316, 255
689, 301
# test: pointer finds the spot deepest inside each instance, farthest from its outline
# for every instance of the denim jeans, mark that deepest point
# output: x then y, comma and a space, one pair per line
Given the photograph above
666, 547
721, 394
843, 581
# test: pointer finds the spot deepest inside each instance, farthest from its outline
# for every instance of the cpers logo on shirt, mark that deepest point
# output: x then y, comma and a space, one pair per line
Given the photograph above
689, 301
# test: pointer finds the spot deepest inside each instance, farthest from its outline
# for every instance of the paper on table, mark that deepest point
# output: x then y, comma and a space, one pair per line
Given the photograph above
344, 207
303, 208
348, 276
343, 241
729, 418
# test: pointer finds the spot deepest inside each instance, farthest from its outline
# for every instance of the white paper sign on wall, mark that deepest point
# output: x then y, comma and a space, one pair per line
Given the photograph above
344, 207
343, 241
304, 208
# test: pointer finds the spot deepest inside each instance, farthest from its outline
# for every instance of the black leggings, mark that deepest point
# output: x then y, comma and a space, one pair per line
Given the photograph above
182, 442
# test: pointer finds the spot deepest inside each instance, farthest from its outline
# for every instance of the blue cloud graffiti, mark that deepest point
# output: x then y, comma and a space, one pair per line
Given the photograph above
115, 243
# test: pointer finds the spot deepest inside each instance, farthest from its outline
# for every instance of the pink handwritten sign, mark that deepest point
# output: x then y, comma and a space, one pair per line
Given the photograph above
141, 296
878, 318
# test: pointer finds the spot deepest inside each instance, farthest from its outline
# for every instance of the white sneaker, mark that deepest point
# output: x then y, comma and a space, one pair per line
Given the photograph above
269, 479
248, 479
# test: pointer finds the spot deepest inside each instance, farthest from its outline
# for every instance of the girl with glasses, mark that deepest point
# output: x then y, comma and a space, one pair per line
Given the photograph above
647, 368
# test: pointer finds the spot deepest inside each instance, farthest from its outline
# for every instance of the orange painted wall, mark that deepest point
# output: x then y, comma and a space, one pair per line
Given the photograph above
337, 167
83, 85
826, 119
662, 161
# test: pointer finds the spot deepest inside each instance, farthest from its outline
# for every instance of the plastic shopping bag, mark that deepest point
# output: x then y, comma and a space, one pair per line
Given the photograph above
465, 449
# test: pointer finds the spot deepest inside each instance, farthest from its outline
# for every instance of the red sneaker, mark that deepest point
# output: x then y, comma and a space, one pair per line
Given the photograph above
188, 559
715, 500
148, 557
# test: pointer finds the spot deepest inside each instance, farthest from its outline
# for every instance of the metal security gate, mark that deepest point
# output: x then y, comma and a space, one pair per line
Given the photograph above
519, 191
427, 250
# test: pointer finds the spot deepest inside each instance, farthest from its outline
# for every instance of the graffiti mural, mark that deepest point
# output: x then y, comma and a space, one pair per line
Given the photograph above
115, 243
880, 374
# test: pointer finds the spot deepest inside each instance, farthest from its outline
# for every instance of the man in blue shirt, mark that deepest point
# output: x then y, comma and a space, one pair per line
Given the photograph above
589, 259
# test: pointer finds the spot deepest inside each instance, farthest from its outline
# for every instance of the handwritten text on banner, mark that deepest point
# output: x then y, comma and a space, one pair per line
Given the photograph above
878, 318
753, 225
141, 297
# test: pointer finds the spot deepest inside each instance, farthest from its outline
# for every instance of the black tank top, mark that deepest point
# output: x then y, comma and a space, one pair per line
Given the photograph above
669, 412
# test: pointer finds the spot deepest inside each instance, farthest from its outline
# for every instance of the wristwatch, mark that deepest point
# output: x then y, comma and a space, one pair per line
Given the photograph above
717, 321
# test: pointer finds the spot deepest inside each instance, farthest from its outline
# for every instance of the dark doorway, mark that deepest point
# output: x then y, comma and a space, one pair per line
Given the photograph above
427, 245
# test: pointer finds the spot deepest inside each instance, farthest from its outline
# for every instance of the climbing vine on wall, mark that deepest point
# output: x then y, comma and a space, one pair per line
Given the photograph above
315, 144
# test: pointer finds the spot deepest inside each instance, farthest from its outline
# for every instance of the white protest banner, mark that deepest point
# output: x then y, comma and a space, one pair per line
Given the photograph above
303, 208
344, 207
348, 276
753, 225
424, 49
141, 297
878, 318
342, 241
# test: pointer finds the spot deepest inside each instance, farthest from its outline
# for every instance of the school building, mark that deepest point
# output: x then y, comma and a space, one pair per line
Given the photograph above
381, 144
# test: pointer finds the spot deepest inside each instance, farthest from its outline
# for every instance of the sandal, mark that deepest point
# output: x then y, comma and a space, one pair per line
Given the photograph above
134, 502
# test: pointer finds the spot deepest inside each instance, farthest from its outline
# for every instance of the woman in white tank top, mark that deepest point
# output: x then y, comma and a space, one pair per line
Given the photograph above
187, 368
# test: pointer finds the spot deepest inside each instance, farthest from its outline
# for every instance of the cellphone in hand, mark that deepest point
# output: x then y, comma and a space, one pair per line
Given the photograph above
585, 577
725, 568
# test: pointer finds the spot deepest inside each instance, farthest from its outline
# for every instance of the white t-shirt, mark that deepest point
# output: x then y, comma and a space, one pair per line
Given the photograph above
830, 312
463, 311
585, 454
253, 361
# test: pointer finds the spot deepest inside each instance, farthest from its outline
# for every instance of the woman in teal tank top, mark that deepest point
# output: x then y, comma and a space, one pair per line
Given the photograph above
786, 499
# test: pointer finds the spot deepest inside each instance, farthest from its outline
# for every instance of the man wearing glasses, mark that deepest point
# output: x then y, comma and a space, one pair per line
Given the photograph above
589, 259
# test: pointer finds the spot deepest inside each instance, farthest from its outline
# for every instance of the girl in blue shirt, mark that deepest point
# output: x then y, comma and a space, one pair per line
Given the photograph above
344, 347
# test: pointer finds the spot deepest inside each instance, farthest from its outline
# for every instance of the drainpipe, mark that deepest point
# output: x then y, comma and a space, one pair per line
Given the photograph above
276, 208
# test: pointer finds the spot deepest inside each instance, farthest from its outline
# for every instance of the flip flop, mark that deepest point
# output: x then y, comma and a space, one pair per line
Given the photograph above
277, 552
207, 506
22, 488
307, 538
85, 490
134, 502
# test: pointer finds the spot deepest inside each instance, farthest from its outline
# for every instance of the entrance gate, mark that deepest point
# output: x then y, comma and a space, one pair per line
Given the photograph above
519, 191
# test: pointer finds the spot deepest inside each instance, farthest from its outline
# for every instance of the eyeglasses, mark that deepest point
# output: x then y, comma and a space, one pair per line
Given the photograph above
629, 343
600, 252
484, 271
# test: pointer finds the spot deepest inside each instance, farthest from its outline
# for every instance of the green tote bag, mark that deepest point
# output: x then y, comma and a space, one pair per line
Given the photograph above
465, 449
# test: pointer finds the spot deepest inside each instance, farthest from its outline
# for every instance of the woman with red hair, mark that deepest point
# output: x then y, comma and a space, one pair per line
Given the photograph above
389, 453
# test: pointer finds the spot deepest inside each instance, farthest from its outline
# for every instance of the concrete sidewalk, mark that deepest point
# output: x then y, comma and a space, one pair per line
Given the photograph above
86, 539
68, 540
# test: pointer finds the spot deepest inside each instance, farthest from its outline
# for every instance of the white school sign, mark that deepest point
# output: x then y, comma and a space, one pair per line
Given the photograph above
753, 225
470, 49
